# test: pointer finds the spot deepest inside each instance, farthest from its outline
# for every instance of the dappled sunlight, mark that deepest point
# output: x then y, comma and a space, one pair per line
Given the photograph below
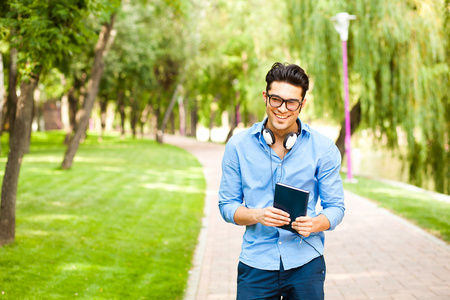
84, 266
60, 217
111, 169
43, 171
172, 187
43, 159
96, 160
190, 173
29, 233
58, 203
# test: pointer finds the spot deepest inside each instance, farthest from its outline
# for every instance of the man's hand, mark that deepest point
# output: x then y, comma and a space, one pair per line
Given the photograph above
306, 225
303, 225
271, 216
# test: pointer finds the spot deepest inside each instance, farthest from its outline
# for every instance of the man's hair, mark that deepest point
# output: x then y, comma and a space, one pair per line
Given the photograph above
289, 73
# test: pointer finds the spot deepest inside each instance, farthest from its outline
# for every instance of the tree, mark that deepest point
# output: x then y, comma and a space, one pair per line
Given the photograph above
43, 35
92, 91
399, 73
234, 53
18, 144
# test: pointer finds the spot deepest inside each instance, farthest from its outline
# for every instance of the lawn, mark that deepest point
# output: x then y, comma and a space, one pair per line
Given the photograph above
121, 224
419, 208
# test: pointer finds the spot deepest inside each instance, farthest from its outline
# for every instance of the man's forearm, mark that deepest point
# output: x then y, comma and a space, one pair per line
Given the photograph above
320, 223
246, 216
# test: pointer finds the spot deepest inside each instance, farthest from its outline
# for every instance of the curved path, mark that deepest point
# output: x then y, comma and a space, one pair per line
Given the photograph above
372, 254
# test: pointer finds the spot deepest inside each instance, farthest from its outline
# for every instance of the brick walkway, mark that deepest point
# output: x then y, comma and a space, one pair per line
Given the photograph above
372, 254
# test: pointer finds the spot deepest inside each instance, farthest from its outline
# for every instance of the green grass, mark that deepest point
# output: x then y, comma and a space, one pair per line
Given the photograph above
419, 208
121, 224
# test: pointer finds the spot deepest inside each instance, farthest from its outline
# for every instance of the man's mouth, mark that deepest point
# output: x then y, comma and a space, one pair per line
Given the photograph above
281, 116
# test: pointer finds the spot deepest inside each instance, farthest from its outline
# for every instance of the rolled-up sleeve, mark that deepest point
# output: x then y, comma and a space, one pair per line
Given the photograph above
330, 187
230, 192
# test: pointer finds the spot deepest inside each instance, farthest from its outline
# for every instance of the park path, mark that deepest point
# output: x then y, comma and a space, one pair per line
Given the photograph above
372, 254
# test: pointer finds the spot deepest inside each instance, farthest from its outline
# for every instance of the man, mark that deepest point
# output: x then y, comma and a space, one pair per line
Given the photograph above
275, 262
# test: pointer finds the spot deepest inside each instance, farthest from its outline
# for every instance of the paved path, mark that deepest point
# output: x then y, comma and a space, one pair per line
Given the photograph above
372, 254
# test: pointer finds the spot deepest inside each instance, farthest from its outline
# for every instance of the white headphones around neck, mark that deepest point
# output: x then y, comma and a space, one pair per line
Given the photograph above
289, 140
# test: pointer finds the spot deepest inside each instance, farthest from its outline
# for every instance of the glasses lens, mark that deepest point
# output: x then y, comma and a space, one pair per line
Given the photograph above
292, 105
275, 101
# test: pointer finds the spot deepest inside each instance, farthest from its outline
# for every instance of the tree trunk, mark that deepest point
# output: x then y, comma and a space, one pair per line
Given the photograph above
194, 119
213, 116
172, 122
235, 118
103, 106
355, 120
12, 93
65, 106
19, 140
73, 102
133, 116
92, 91
182, 115
121, 108
144, 118
160, 133
2, 94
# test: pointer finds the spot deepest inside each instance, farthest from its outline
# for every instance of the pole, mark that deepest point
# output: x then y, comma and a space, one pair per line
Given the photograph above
347, 113
341, 23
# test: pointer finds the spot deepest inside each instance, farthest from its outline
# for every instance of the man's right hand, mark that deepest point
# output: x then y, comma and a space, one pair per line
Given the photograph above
271, 216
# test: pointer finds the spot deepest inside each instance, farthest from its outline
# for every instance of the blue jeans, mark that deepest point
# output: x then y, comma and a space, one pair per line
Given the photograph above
305, 282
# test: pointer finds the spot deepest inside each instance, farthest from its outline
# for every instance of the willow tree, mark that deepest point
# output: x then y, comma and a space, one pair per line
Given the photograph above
399, 73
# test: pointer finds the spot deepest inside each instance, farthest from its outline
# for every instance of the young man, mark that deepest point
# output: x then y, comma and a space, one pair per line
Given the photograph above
275, 262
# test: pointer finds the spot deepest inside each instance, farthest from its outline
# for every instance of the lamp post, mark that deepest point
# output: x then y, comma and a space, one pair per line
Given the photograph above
341, 23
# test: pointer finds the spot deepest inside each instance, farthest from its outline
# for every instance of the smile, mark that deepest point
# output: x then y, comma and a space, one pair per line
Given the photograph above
281, 116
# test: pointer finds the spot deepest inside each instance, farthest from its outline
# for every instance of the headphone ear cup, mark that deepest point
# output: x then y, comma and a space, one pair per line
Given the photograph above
289, 141
268, 136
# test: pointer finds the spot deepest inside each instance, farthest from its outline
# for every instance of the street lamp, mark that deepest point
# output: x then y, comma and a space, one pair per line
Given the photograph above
341, 23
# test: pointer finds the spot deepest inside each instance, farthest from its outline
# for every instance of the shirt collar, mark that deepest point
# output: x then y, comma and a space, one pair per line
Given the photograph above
259, 126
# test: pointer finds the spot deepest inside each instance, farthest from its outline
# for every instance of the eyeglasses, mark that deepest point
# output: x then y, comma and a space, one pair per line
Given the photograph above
277, 101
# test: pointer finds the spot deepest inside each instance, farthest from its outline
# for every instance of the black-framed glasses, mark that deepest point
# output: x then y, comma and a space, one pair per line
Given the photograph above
276, 101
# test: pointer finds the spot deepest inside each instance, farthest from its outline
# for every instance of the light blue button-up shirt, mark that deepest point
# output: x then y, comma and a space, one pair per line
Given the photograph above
250, 169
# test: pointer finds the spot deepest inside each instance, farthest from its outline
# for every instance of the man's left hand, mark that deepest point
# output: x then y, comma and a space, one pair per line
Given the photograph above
303, 225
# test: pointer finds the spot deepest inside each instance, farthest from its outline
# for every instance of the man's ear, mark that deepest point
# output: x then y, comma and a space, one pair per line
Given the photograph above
303, 103
265, 97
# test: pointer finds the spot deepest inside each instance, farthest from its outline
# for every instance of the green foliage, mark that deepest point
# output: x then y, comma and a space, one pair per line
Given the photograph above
221, 50
44, 32
399, 70
420, 208
122, 224
148, 53
234, 52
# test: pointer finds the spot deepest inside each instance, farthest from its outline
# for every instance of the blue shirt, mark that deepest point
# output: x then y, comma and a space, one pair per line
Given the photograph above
250, 170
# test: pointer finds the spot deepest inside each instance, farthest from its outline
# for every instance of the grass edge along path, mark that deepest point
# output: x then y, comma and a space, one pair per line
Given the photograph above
123, 223
419, 208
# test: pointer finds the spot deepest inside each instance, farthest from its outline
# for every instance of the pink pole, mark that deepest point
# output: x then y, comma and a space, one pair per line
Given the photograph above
347, 113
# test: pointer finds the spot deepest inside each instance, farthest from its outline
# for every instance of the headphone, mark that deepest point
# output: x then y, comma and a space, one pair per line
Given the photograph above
289, 140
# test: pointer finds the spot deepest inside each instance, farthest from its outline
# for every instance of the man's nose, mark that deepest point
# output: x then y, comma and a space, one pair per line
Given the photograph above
283, 107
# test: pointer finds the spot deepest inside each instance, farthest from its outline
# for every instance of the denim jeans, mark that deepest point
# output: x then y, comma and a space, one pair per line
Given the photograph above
305, 282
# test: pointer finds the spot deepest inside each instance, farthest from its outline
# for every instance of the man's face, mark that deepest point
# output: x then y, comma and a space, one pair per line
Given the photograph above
281, 120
